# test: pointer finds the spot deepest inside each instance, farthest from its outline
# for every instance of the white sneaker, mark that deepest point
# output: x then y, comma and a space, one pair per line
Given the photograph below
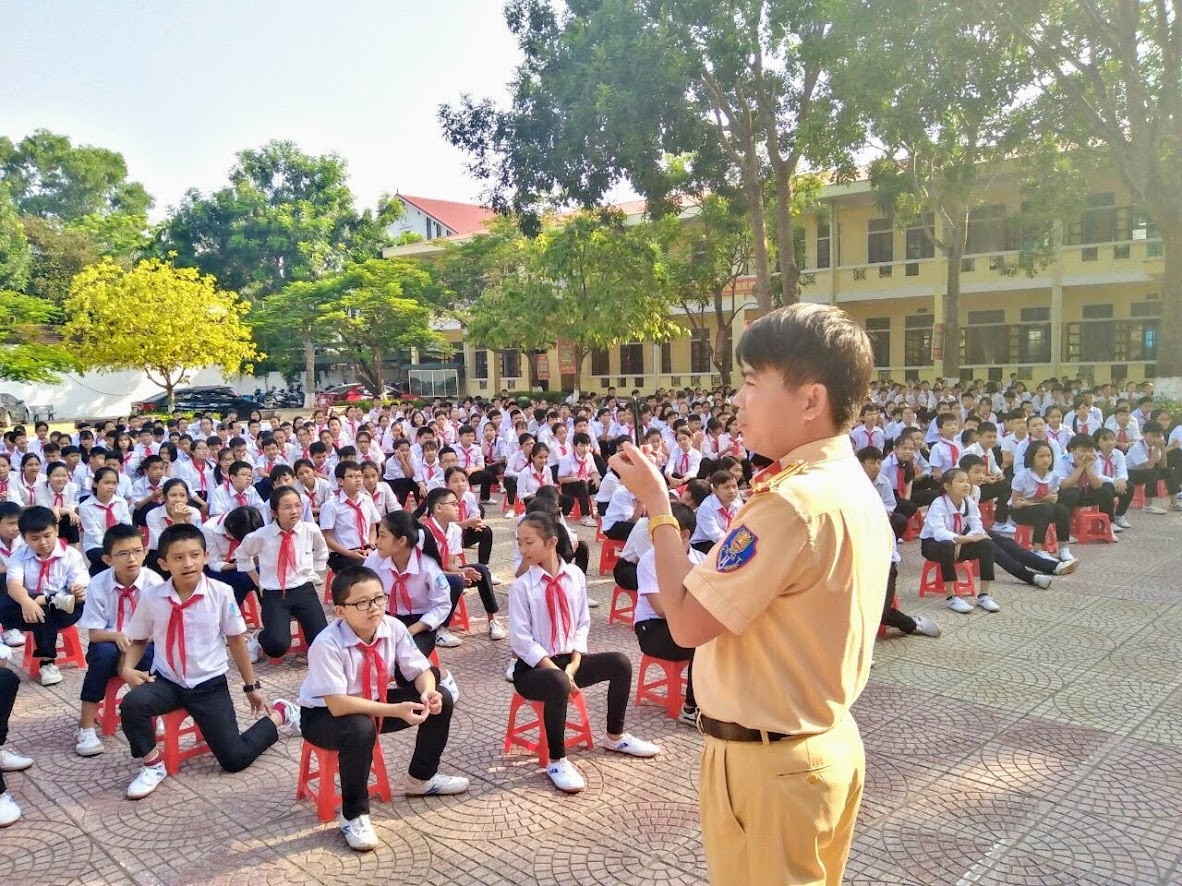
592, 603
1066, 567
50, 675
1042, 581
1116, 527
5, 652
291, 716
448, 685
927, 627
1153, 509
10, 761
10, 813
565, 777
437, 786
956, 604
1065, 554
1176, 506
1006, 528
13, 637
635, 747
64, 601
509, 670
987, 603
589, 522
88, 744
1121, 522
359, 834
688, 716
495, 579
496, 630
446, 639
254, 649
147, 781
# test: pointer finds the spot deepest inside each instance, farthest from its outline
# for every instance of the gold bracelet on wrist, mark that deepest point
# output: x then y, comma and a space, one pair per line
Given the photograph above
660, 520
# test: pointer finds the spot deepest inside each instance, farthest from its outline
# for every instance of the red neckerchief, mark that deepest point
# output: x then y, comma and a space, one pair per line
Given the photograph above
287, 557
200, 467
684, 464
725, 514
440, 540
374, 674
110, 509
558, 608
128, 596
429, 471
43, 574
1121, 435
491, 448
955, 451
359, 521
1041, 489
1109, 467
957, 517
400, 598
463, 509
467, 457
175, 636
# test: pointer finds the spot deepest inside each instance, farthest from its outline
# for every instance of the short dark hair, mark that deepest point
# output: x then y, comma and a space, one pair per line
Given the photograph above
1085, 440
9, 510
687, 520
869, 453
813, 343
177, 533
117, 533
242, 521
349, 577
36, 519
970, 461
344, 467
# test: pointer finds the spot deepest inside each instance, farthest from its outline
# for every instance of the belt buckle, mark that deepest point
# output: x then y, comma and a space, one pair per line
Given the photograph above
698, 723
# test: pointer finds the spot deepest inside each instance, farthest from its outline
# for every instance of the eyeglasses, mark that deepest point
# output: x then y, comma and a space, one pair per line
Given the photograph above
128, 555
371, 603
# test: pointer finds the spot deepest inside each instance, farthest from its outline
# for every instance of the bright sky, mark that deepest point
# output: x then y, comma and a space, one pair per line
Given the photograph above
179, 87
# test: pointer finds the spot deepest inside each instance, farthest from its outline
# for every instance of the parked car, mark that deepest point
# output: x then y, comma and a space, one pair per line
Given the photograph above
18, 411
204, 398
339, 395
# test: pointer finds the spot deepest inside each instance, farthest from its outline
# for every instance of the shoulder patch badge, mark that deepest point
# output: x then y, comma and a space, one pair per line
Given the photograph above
738, 549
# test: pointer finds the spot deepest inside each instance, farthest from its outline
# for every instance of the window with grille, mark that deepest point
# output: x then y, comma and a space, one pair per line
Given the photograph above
880, 241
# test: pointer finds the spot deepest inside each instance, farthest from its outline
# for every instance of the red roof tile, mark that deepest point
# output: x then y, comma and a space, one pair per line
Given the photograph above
461, 218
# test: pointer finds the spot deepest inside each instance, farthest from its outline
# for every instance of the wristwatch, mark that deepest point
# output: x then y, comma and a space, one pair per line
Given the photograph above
251, 687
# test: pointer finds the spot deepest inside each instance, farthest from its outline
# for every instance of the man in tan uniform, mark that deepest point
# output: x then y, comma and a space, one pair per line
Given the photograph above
784, 610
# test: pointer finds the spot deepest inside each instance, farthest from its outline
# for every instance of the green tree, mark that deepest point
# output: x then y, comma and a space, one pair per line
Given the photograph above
1112, 72
27, 350
15, 257
294, 315
590, 280
57, 254
156, 319
609, 89
377, 307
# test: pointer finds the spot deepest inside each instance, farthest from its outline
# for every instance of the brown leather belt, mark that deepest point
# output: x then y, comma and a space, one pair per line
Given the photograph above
735, 732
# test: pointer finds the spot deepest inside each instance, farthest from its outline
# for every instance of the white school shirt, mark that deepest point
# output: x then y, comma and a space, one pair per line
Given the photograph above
646, 584
340, 518
1140, 456
373, 457
933, 432
584, 468
559, 451
607, 488
1131, 430
198, 477
337, 663
431, 475
305, 511
7, 552
1020, 451
529, 617
383, 499
992, 468
218, 544
158, 520
685, 463
1060, 437
426, 585
67, 568
638, 543
1026, 484
43, 495
141, 487
1010, 444
92, 514
945, 454
393, 469
204, 625
883, 487
317, 497
262, 547
1175, 436
862, 438
263, 467
449, 541
104, 606
1112, 467
531, 480
83, 477
517, 463
940, 522
225, 499
892, 469
619, 509
1092, 424
468, 505
469, 457
562, 525
714, 520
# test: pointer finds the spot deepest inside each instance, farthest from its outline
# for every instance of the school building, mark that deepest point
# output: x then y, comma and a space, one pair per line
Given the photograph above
1091, 307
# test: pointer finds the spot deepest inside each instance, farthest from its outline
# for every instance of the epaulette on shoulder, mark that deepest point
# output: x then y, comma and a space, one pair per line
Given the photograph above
771, 484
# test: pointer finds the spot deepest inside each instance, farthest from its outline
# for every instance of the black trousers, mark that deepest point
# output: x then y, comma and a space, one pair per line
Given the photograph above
242, 583
211, 708
425, 640
580, 492
552, 688
1103, 497
44, 632
582, 556
353, 737
482, 539
68, 531
403, 489
484, 587
619, 531
1019, 562
94, 557
510, 484
944, 553
1040, 516
9, 684
1148, 478
656, 640
279, 608
624, 574
337, 562
892, 617
925, 490
485, 478
102, 663
1000, 493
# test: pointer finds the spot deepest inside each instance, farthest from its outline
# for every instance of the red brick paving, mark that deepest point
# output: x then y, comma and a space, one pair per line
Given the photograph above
1040, 745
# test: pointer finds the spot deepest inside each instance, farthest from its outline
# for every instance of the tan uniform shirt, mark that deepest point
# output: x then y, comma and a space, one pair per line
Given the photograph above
798, 582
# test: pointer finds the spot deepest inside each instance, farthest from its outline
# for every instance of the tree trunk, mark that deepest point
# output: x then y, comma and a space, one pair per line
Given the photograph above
1169, 338
762, 289
170, 391
789, 273
950, 368
379, 375
309, 373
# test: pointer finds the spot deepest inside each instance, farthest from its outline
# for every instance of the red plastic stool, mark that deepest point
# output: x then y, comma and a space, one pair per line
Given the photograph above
515, 732
324, 793
609, 553
672, 682
599, 536
517, 508
328, 577
69, 651
576, 513
931, 583
250, 611
107, 712
1088, 525
459, 619
988, 513
434, 658
299, 643
914, 527
1024, 538
174, 731
623, 606
407, 506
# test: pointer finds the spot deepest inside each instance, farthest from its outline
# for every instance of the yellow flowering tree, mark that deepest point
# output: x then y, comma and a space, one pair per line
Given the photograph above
158, 319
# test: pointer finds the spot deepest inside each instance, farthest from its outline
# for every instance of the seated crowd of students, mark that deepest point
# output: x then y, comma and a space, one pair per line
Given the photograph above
235, 513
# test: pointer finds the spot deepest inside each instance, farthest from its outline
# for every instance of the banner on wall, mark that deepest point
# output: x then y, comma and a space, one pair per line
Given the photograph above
542, 367
566, 358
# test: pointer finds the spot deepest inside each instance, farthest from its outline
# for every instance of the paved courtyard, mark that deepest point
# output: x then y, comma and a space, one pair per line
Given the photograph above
1039, 745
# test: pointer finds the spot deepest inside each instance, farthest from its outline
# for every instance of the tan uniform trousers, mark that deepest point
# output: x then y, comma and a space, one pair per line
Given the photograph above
782, 812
